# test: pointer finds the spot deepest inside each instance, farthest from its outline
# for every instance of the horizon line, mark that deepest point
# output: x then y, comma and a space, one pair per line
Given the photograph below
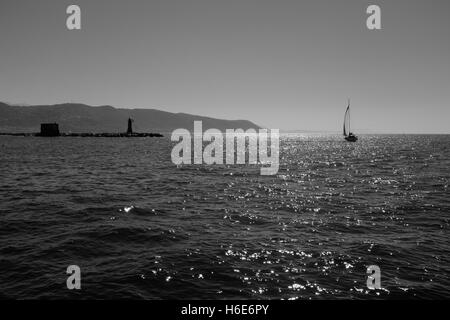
364, 131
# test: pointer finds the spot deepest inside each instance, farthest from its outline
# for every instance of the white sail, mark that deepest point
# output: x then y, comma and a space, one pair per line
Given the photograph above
347, 121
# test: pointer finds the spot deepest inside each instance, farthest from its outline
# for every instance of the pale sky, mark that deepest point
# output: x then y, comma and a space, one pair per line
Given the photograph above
281, 64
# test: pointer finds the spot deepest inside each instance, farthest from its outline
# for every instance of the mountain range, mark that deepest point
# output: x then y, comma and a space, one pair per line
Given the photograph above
80, 118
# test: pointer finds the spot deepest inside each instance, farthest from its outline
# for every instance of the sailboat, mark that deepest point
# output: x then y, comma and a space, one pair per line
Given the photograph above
348, 135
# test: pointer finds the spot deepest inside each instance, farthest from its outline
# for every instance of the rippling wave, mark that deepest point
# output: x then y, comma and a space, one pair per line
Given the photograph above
140, 227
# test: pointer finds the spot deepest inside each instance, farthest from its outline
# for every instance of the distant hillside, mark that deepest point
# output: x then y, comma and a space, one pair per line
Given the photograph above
82, 118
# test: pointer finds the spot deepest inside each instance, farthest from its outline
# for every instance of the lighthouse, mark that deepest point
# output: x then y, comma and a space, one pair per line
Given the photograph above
130, 126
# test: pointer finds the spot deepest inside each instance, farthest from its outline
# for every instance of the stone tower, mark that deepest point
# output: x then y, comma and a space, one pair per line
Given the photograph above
130, 126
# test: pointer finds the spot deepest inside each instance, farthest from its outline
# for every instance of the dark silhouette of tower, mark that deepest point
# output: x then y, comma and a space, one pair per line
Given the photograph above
130, 126
49, 130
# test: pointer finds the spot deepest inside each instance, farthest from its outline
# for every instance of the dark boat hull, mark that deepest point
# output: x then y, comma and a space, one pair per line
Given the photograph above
351, 138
